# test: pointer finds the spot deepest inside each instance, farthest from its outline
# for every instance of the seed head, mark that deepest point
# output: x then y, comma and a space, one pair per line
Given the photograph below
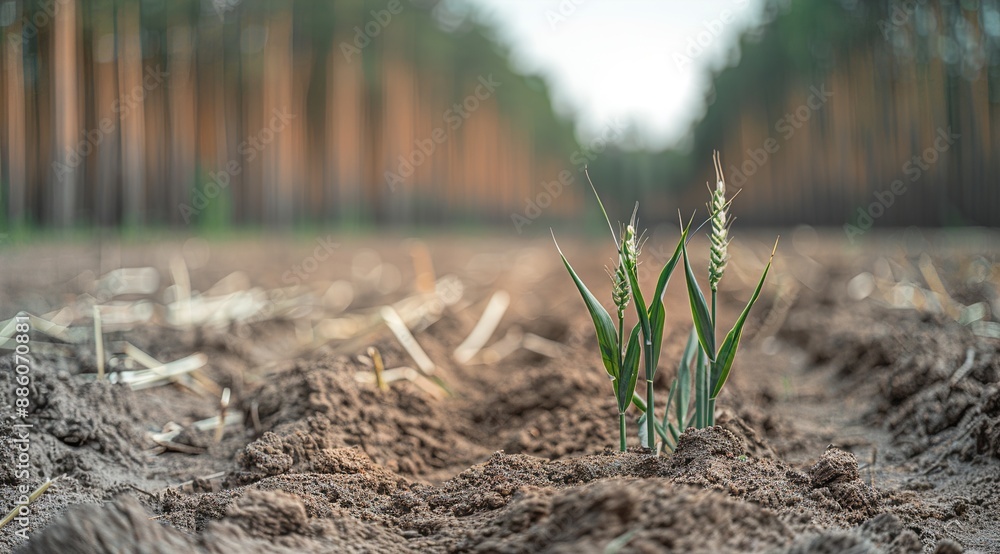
630, 247
718, 210
619, 289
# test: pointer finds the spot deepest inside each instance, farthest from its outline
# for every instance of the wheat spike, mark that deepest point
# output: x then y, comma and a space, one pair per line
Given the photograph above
719, 213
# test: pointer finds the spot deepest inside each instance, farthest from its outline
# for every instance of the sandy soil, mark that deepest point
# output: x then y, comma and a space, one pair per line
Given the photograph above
850, 424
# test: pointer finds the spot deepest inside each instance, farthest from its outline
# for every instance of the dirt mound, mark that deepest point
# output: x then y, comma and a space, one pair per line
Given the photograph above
84, 433
831, 493
881, 534
935, 383
77, 422
647, 515
536, 410
320, 405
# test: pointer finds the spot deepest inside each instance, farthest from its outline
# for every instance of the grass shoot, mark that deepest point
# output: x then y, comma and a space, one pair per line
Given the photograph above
709, 363
704, 366
621, 358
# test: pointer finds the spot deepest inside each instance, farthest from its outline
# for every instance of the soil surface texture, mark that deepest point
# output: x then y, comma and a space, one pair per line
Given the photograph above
857, 419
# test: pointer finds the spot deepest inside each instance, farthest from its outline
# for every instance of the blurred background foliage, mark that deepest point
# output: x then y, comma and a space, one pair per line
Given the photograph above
211, 114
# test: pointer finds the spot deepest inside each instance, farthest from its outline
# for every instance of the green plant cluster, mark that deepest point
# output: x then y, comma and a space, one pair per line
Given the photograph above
705, 365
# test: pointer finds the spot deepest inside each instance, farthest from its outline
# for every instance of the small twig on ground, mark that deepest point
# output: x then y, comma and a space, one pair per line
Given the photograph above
223, 406
965, 368
143, 491
484, 328
145, 378
428, 385
503, 347
255, 416
143, 358
31, 498
398, 328
99, 343
191, 482
542, 345
376, 357
178, 447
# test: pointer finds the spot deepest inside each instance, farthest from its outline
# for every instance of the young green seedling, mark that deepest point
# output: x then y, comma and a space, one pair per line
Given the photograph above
711, 374
622, 365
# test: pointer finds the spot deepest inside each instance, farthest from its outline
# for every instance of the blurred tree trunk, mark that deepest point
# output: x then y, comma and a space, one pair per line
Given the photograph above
16, 160
129, 108
276, 142
66, 90
183, 136
108, 185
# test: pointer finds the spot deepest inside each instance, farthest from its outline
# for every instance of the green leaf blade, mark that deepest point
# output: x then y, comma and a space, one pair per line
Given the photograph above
727, 352
637, 299
657, 310
684, 377
607, 336
699, 309
629, 371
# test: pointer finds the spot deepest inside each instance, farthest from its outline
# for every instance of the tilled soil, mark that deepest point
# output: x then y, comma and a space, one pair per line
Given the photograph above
848, 426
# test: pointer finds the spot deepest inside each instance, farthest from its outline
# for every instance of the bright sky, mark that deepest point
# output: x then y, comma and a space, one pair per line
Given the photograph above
635, 61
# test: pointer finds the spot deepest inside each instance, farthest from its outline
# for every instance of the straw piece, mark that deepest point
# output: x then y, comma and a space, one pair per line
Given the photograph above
145, 378
138, 355
223, 406
484, 328
504, 347
376, 357
191, 482
987, 329
542, 345
31, 498
255, 416
965, 368
168, 433
398, 328
934, 282
99, 343
406, 374
204, 382
179, 447
51, 329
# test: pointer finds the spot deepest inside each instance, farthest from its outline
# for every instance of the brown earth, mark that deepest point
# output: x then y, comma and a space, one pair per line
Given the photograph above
848, 426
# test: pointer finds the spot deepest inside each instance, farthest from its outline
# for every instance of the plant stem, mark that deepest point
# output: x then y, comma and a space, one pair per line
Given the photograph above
621, 336
699, 392
621, 431
650, 415
710, 415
